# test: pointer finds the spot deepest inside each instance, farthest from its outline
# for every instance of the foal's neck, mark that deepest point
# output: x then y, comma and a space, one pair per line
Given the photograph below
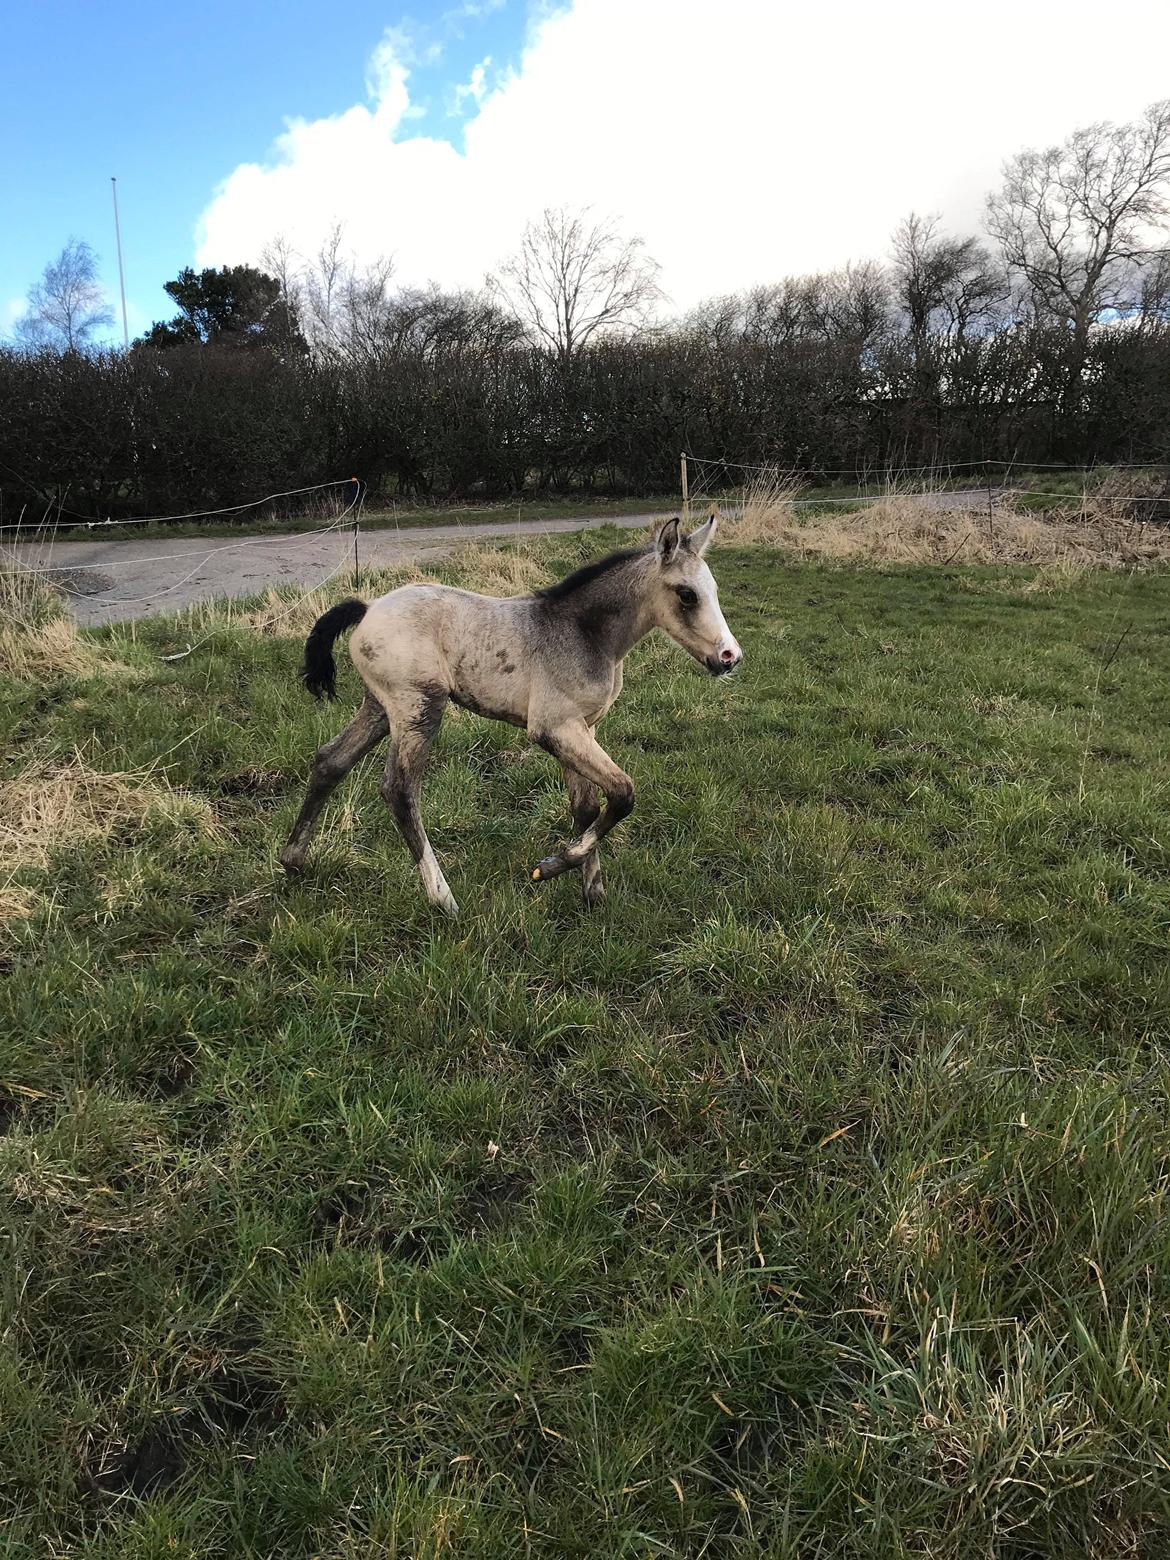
611, 611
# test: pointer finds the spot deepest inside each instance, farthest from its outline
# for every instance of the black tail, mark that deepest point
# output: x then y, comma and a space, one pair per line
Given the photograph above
319, 672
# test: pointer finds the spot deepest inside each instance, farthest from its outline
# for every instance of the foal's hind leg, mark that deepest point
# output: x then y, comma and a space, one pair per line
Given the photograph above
586, 810
330, 766
415, 728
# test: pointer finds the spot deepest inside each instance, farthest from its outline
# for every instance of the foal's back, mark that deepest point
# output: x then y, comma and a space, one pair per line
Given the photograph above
432, 640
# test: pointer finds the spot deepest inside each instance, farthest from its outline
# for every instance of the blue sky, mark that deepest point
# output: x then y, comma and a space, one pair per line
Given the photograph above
172, 100
744, 140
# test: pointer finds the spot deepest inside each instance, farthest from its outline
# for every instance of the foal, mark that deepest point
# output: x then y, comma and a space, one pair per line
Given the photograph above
550, 662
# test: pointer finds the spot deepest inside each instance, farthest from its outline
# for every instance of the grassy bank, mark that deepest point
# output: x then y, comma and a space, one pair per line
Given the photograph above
810, 1199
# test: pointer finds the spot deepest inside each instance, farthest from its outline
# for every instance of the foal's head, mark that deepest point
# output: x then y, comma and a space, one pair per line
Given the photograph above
684, 600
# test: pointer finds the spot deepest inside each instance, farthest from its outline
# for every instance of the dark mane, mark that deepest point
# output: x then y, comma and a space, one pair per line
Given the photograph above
587, 573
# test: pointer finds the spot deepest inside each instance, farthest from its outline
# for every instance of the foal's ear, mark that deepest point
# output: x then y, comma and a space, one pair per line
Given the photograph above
700, 539
669, 541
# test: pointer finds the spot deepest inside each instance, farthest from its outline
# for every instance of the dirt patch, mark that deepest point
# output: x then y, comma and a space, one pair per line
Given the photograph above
254, 782
239, 1403
171, 1079
80, 582
418, 1244
349, 1215
142, 1467
232, 1403
340, 1212
491, 1200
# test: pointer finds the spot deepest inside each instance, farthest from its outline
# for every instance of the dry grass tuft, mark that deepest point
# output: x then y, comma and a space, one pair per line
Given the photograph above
54, 650
16, 904
765, 516
378, 581
46, 807
499, 569
38, 638
1067, 542
285, 614
912, 528
288, 615
26, 601
1118, 485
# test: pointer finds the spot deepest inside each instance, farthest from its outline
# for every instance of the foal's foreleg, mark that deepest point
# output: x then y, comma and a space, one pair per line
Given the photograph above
401, 788
586, 810
578, 749
330, 766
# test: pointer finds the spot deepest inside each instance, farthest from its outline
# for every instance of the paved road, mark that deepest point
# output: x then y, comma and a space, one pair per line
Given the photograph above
113, 581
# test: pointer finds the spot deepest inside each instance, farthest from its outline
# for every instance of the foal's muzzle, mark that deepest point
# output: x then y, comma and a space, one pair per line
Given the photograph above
726, 661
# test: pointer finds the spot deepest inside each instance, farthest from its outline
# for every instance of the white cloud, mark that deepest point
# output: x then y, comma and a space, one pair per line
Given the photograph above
471, 11
475, 87
743, 141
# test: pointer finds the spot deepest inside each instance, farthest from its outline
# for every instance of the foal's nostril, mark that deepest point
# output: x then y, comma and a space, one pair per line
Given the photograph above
727, 656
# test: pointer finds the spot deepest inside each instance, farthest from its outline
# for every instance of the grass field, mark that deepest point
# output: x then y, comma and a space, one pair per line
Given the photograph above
809, 1199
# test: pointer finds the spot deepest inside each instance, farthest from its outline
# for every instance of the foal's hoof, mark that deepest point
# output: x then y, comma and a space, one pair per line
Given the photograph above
593, 894
550, 867
292, 860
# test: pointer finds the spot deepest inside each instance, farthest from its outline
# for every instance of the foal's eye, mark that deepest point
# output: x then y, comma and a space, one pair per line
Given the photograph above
687, 596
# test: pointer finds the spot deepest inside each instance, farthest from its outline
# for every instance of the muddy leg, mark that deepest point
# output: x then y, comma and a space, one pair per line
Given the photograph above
578, 749
586, 810
330, 766
402, 785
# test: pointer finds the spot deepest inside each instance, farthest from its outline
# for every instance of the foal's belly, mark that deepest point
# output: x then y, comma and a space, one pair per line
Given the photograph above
487, 679
492, 708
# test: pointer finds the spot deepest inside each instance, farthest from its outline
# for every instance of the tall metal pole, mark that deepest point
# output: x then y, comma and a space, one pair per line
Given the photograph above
121, 273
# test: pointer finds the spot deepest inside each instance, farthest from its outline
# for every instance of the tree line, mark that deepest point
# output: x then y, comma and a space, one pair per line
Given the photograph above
1046, 340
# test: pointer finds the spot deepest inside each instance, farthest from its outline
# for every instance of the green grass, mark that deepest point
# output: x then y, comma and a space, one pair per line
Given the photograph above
809, 1199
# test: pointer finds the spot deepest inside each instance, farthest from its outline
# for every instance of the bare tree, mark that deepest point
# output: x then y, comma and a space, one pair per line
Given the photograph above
67, 307
427, 322
574, 277
1154, 304
944, 286
343, 309
279, 259
325, 283
857, 303
1076, 221
850, 305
